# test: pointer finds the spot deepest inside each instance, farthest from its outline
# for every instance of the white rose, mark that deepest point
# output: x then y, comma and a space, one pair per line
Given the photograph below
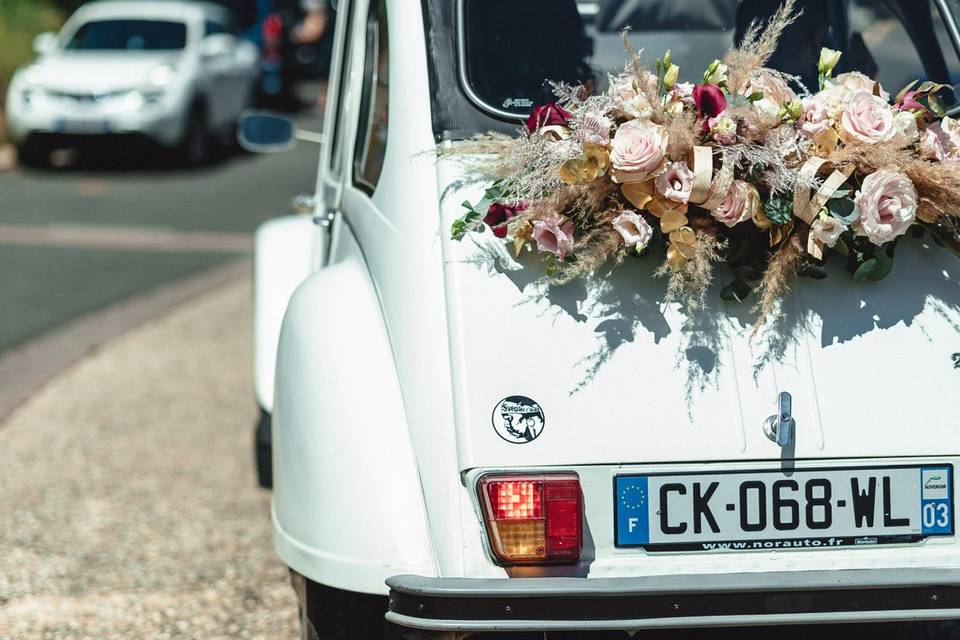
867, 118
827, 230
634, 230
888, 205
941, 140
905, 125
638, 150
632, 94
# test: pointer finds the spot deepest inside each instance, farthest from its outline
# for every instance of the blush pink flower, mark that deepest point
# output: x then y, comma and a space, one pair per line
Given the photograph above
675, 182
941, 140
595, 129
856, 82
638, 150
827, 230
632, 94
554, 235
723, 129
634, 230
888, 205
738, 206
867, 118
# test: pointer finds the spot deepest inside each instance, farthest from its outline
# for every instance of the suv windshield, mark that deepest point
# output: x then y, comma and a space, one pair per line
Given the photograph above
509, 48
129, 35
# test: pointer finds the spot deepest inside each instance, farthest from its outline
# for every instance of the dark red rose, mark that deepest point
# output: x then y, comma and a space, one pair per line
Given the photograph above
709, 99
498, 215
548, 115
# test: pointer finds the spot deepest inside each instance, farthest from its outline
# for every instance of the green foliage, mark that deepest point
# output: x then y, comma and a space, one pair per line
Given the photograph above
20, 22
472, 219
779, 209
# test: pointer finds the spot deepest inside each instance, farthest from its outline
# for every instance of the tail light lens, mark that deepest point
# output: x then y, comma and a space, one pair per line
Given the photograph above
533, 519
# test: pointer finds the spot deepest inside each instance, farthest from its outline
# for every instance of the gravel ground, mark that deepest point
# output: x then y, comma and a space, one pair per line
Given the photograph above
128, 503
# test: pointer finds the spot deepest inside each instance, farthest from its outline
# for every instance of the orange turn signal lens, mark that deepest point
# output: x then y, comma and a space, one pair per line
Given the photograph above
533, 519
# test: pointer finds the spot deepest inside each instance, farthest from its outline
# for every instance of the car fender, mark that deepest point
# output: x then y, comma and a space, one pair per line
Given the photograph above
283, 258
348, 508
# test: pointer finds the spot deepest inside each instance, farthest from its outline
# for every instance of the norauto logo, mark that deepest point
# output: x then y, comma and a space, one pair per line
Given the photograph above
935, 482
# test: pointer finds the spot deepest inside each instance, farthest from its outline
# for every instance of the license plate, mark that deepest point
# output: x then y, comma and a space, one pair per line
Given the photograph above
763, 510
73, 125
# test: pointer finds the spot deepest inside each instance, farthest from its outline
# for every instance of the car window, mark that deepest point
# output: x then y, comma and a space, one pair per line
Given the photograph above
510, 48
211, 27
129, 35
371, 144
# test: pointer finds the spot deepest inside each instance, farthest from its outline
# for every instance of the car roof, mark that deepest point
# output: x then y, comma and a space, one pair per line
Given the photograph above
171, 9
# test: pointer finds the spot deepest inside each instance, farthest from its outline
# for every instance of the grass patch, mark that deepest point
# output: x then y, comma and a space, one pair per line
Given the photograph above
20, 22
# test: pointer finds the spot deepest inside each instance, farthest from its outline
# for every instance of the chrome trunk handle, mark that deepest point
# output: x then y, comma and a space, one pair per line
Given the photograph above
780, 427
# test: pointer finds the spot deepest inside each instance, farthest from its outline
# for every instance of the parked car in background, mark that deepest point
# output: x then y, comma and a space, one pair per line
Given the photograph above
463, 451
172, 72
287, 59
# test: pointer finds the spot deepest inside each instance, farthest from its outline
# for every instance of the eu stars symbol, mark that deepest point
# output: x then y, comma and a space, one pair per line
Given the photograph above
633, 498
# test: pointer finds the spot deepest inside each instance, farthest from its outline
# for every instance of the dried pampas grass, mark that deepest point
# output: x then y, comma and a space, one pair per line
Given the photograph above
782, 269
688, 284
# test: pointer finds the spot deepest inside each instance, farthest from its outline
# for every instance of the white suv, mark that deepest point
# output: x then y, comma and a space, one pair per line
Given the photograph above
169, 71
467, 450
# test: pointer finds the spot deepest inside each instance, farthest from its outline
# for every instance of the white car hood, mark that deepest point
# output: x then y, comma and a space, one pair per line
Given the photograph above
622, 377
97, 72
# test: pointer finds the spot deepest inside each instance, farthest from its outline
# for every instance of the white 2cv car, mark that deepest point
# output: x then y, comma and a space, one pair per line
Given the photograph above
459, 449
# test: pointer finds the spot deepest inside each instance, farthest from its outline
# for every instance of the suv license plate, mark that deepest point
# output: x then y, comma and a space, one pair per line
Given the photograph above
763, 510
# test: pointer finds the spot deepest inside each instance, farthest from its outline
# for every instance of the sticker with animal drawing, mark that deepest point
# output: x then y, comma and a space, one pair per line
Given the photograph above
518, 419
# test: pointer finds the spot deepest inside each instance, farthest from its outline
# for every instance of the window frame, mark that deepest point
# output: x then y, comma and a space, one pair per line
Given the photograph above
366, 107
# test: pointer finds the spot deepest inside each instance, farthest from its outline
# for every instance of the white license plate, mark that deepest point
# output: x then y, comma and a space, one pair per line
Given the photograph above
762, 510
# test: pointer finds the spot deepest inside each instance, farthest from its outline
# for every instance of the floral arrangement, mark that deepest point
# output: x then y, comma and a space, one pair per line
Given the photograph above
747, 168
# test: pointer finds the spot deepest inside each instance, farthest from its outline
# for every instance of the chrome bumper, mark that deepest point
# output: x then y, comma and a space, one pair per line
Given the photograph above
538, 604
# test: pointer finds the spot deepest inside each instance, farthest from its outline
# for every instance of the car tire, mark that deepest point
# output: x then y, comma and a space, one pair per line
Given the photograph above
335, 614
195, 146
31, 154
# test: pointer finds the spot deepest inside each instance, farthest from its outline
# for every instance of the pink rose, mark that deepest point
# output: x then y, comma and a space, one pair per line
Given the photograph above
888, 205
738, 206
823, 110
638, 150
856, 82
499, 214
548, 115
634, 230
554, 235
676, 182
867, 118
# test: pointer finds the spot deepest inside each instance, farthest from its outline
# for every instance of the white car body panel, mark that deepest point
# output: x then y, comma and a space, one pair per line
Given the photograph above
393, 357
59, 82
284, 257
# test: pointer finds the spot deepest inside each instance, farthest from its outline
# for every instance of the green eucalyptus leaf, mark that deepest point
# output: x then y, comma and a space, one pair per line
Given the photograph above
862, 274
845, 210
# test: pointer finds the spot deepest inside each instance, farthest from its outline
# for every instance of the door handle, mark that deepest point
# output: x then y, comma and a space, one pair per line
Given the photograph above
781, 426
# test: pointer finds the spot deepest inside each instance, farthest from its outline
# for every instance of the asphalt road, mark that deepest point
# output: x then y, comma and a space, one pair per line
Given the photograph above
80, 237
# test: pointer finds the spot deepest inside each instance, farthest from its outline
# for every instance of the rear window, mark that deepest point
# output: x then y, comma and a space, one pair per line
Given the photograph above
129, 35
510, 48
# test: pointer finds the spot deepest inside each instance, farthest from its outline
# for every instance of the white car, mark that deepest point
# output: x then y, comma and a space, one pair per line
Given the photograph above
172, 72
461, 450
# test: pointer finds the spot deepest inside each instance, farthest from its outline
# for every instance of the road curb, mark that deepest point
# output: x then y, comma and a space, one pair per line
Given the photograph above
27, 368
8, 158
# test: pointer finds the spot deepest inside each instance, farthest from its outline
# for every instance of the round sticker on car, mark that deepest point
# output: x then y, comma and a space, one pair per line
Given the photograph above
518, 419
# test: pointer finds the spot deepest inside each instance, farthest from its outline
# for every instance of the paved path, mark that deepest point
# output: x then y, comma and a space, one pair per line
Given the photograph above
128, 505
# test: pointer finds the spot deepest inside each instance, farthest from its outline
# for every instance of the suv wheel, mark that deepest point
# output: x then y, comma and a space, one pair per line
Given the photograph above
33, 154
195, 147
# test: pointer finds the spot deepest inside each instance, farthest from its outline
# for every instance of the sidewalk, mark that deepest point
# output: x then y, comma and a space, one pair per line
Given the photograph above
128, 504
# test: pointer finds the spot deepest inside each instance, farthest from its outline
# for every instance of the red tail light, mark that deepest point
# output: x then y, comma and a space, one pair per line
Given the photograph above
272, 28
533, 519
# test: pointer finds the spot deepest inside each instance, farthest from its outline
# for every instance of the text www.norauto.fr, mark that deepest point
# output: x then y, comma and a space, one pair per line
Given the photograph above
775, 544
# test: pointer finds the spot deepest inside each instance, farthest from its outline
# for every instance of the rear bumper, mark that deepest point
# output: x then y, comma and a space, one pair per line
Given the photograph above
535, 604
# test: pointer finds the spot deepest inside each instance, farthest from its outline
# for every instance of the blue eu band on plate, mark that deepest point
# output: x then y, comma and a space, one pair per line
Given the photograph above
814, 508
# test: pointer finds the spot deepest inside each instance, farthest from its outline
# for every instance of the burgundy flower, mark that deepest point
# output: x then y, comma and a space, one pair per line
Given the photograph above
498, 215
709, 99
548, 115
